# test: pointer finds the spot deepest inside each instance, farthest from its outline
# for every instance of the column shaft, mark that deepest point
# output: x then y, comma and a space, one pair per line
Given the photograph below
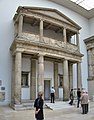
70, 76
77, 39
79, 80
20, 26
66, 81
17, 87
41, 30
56, 79
41, 73
64, 35
33, 80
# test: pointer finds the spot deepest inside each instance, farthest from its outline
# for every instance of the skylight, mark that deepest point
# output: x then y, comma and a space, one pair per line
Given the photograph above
87, 4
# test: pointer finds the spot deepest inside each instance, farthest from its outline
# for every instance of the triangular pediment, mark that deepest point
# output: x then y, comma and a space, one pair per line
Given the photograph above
53, 13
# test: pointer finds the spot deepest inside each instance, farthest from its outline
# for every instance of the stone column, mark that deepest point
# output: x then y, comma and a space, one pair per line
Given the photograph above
77, 39
20, 25
41, 29
79, 78
56, 79
41, 73
66, 81
64, 35
70, 76
33, 80
17, 87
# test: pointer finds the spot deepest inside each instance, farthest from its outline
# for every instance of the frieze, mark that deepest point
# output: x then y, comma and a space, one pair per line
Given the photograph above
48, 41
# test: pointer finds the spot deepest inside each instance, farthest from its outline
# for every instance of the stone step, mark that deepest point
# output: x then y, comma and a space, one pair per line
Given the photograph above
57, 105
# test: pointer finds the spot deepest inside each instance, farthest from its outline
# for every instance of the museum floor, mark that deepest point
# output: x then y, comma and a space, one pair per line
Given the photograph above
71, 113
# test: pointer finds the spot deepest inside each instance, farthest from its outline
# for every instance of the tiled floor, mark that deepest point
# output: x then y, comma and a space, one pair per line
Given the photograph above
73, 113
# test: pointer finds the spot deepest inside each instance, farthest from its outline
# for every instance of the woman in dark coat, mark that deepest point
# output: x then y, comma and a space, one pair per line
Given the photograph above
38, 104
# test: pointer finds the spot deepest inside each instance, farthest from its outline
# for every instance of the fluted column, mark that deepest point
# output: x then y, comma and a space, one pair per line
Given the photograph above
41, 73
41, 29
17, 87
56, 79
33, 80
66, 81
79, 78
20, 25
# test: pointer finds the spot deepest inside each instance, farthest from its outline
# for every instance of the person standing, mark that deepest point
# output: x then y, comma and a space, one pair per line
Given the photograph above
78, 97
38, 104
52, 95
84, 102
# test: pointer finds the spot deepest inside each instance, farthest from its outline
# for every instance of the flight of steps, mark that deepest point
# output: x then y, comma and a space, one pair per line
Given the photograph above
58, 105
30, 105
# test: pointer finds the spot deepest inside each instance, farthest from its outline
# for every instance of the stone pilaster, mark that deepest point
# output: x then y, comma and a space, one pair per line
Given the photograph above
41, 73
17, 87
56, 79
66, 81
70, 76
13, 78
41, 29
20, 25
33, 80
90, 66
79, 80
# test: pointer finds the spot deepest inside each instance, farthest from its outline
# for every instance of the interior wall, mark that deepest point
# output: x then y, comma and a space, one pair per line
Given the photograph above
91, 27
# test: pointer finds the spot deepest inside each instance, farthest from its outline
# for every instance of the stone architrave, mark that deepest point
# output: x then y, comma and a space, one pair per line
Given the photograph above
17, 84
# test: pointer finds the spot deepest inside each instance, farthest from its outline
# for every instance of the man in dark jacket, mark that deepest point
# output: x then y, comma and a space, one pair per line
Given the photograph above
38, 104
78, 97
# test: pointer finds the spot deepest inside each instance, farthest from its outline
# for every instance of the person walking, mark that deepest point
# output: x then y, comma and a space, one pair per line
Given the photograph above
38, 104
84, 102
78, 97
71, 97
52, 95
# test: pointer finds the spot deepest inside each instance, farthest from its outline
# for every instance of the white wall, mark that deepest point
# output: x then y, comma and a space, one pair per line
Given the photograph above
91, 26
7, 10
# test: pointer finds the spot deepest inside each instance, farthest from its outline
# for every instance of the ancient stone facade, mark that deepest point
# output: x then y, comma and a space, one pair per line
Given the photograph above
90, 54
44, 34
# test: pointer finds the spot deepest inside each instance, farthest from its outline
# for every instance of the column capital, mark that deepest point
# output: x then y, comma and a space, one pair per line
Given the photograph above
41, 54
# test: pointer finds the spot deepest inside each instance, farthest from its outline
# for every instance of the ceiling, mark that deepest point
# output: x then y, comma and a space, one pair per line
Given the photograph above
71, 5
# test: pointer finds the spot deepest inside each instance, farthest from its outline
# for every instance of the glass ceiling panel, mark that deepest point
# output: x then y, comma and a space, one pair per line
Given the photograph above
87, 4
